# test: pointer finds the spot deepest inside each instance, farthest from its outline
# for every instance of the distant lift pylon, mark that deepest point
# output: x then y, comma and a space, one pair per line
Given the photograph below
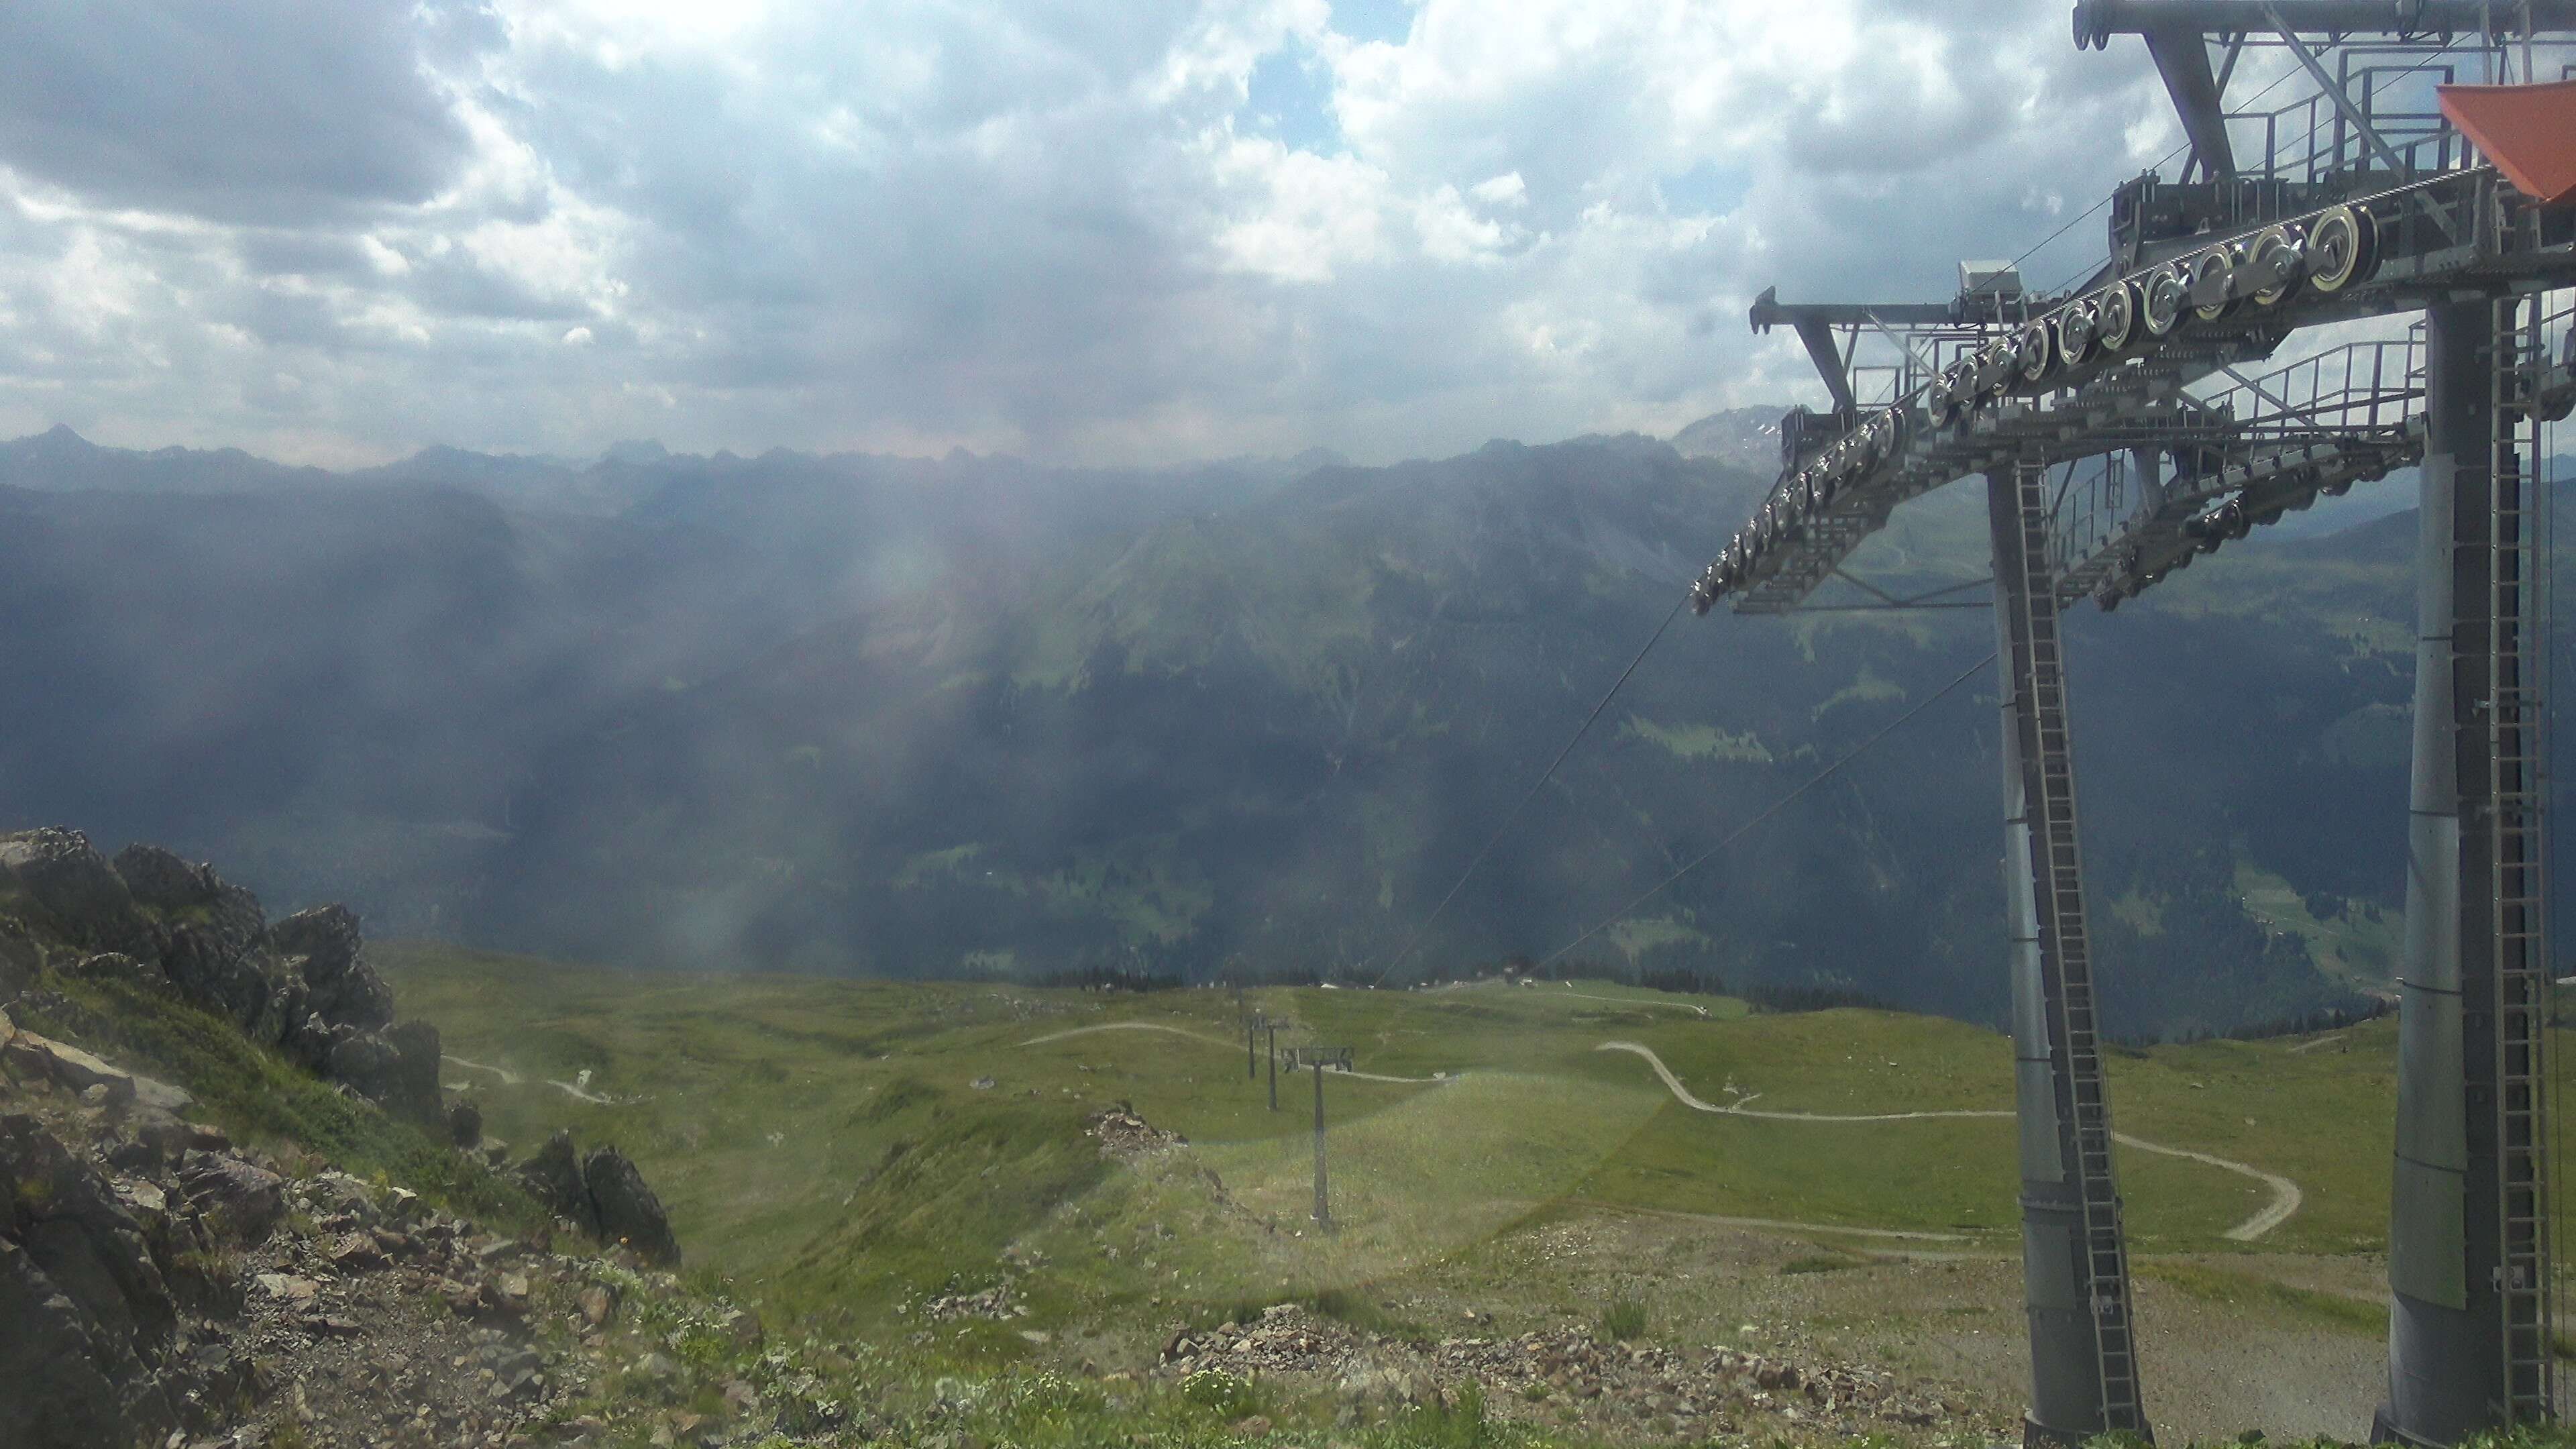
2119, 437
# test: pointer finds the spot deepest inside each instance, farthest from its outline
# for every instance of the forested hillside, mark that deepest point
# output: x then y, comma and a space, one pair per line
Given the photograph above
920, 718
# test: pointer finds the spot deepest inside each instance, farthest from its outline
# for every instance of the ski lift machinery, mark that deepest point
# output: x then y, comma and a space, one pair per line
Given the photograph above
2157, 409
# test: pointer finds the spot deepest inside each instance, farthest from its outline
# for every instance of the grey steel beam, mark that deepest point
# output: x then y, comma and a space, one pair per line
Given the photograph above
2182, 58
1769, 312
2096, 21
2354, 117
1819, 339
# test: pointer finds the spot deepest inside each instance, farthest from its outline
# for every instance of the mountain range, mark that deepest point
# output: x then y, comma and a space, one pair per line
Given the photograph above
967, 715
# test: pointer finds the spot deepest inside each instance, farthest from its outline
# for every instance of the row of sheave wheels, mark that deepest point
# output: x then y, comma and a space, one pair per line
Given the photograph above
2326, 253
1785, 515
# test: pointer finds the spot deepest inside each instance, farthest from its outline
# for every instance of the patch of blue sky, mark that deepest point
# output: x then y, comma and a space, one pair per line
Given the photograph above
1707, 189
1387, 20
1290, 100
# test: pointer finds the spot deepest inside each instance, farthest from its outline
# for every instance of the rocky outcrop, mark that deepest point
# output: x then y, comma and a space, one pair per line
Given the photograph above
215, 938
628, 1211
78, 1071
85, 1316
159, 1287
45, 1347
321, 945
21, 957
154, 920
604, 1195
554, 1177
76, 891
398, 1068
242, 1201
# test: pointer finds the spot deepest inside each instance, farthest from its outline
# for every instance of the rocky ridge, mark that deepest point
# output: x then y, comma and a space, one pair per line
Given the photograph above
162, 1281
159, 1283
300, 985
1659, 1390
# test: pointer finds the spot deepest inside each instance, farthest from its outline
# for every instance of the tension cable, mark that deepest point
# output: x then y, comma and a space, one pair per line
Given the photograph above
1532, 793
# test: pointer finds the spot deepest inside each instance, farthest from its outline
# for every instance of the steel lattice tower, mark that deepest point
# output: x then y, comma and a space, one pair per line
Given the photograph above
2119, 438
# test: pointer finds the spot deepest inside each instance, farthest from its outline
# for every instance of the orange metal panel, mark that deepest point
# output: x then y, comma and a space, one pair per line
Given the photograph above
2529, 132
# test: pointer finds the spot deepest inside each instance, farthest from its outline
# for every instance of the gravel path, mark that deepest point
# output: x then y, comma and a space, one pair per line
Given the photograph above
2286, 1196
1214, 1041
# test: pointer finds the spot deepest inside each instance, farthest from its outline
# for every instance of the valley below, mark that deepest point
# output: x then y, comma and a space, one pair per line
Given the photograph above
1096, 1183
862, 778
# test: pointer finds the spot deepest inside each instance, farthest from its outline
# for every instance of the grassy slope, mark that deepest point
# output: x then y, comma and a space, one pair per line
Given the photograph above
262, 1100
823, 1140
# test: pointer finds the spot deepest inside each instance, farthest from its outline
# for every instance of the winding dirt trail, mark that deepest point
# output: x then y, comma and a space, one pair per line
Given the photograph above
1637, 1001
510, 1078
1218, 1042
2286, 1196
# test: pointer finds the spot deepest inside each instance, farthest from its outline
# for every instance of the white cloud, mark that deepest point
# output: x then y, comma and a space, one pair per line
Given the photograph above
1021, 226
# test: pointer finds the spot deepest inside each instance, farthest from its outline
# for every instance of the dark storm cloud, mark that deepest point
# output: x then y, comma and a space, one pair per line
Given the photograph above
249, 110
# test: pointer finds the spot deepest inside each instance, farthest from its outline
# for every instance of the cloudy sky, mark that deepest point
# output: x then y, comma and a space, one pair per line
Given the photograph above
1141, 230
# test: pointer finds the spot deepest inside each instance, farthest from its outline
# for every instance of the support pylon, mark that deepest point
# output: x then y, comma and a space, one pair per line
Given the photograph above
2468, 1239
2083, 1351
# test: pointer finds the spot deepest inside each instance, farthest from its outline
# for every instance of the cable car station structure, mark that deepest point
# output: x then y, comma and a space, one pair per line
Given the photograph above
2138, 419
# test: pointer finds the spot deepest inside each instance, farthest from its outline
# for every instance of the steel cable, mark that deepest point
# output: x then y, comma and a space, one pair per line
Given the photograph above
1532, 793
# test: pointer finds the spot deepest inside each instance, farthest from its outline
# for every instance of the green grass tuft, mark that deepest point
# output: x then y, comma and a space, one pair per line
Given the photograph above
1623, 1320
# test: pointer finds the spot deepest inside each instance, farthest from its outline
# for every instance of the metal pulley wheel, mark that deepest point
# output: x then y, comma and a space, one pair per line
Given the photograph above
1955, 391
2279, 251
1891, 432
2115, 317
2075, 332
2163, 299
2210, 272
2035, 352
1995, 363
2343, 248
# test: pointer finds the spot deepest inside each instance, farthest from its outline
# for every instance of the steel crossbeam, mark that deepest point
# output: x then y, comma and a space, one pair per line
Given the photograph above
2123, 431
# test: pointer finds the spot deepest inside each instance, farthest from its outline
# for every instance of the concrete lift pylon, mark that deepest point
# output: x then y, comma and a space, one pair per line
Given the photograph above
2384, 212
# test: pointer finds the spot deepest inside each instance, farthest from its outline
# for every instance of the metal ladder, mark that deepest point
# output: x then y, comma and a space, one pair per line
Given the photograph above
2517, 784
2050, 777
